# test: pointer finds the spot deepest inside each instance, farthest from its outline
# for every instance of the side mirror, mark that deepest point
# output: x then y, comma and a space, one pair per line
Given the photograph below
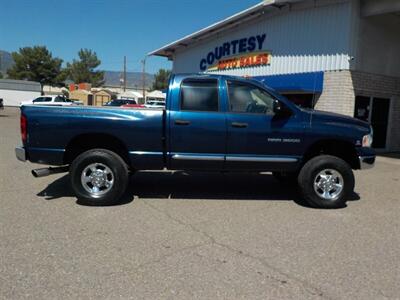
278, 108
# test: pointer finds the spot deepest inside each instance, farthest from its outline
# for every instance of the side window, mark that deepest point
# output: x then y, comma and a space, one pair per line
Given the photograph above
199, 95
59, 99
247, 98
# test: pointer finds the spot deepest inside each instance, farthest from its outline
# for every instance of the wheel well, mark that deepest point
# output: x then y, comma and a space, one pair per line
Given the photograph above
342, 149
85, 142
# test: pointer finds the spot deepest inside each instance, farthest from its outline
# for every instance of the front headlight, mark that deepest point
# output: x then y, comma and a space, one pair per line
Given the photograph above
368, 139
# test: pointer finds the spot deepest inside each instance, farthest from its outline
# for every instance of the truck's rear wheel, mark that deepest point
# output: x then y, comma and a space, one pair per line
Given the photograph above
99, 177
325, 181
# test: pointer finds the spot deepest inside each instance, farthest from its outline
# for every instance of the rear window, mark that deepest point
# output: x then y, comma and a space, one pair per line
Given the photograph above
199, 95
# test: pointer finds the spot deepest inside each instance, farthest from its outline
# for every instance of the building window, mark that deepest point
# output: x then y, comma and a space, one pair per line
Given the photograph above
376, 112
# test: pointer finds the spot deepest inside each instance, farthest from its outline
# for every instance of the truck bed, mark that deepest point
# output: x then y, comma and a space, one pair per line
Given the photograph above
51, 129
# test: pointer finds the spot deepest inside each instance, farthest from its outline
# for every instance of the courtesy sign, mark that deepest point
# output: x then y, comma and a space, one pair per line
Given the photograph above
240, 53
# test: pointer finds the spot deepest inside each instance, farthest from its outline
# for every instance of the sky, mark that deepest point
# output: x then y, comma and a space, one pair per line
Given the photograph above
111, 28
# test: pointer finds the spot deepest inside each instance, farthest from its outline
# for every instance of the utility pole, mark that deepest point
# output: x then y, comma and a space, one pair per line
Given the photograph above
144, 79
124, 73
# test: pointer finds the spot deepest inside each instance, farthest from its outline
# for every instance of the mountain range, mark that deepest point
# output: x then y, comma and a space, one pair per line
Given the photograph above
112, 78
133, 79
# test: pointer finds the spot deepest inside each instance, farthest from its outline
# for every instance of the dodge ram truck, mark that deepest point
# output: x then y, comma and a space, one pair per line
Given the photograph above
210, 123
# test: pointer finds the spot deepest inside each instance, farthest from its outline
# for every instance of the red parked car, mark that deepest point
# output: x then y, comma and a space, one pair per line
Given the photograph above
132, 106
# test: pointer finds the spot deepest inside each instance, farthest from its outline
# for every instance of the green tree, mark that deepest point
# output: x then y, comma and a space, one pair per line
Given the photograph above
161, 79
83, 69
37, 64
1, 75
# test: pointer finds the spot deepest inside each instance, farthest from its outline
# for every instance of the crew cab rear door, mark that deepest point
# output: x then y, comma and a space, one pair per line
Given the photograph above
257, 137
197, 126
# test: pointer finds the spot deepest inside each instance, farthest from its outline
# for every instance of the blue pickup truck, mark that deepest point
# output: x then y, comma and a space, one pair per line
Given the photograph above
210, 123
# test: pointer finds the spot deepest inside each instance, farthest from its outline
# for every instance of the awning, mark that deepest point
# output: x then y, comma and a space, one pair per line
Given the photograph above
290, 83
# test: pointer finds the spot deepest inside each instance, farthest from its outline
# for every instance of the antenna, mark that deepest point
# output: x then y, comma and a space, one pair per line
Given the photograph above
313, 98
124, 73
144, 79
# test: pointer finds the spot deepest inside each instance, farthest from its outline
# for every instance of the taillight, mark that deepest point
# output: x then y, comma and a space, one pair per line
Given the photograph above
23, 129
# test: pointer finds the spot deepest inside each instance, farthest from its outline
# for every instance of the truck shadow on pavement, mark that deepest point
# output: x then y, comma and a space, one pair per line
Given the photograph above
194, 186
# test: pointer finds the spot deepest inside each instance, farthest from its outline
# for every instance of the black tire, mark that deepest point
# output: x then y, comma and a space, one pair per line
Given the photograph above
119, 176
308, 175
286, 177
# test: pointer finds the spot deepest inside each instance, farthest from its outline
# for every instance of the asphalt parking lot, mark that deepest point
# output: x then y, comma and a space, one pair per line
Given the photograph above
184, 236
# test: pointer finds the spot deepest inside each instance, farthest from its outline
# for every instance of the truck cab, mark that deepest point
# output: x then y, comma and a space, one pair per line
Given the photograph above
231, 124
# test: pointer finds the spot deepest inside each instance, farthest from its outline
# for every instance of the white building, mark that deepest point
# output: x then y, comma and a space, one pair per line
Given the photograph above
131, 95
13, 92
156, 96
52, 90
334, 55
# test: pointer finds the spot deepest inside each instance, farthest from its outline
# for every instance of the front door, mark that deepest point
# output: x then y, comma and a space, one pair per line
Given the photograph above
197, 127
259, 139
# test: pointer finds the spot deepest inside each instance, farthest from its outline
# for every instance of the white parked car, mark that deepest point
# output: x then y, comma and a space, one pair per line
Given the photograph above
56, 100
155, 104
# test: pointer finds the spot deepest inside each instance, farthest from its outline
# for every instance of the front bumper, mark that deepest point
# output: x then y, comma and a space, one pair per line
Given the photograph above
366, 157
20, 153
366, 162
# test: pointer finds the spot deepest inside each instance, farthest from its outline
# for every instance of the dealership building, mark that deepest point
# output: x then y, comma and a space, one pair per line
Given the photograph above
335, 55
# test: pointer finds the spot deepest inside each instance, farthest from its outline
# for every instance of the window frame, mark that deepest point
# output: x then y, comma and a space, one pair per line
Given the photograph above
199, 80
245, 112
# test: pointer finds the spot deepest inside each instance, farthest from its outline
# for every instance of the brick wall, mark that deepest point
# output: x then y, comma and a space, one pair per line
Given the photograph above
338, 94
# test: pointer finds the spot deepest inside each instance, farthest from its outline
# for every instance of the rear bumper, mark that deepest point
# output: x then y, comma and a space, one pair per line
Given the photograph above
20, 153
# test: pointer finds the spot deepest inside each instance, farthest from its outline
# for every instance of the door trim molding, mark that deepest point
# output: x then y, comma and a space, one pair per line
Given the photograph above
275, 159
206, 157
235, 158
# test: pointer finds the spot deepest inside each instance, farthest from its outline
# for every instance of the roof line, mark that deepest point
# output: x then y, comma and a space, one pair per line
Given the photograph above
214, 26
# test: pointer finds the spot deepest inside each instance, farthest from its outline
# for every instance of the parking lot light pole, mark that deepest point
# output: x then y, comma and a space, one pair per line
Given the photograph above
144, 78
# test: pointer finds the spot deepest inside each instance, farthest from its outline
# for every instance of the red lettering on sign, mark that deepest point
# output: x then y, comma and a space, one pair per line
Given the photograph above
244, 61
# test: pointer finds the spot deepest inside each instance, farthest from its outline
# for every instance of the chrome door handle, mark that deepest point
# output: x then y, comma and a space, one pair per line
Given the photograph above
182, 122
239, 125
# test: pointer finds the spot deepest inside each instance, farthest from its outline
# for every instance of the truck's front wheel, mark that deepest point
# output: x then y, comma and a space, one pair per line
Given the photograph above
325, 181
99, 177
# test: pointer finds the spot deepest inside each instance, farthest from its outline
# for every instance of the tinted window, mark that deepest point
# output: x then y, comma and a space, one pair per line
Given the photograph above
247, 98
59, 99
115, 103
199, 95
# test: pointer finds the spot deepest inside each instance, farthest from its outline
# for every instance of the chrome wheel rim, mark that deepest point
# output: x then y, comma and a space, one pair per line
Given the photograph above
328, 184
97, 179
